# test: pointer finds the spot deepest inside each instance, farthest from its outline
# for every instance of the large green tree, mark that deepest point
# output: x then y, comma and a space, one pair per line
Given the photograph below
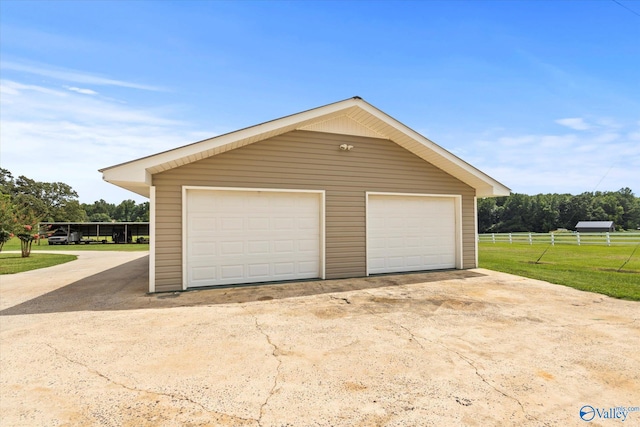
50, 201
25, 202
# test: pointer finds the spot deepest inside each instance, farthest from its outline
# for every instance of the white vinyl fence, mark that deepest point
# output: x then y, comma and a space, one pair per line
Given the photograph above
570, 238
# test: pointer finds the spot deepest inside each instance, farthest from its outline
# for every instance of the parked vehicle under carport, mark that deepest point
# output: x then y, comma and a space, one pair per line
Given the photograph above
64, 236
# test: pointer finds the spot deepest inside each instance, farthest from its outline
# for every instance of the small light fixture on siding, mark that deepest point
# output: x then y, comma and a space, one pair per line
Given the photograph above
345, 147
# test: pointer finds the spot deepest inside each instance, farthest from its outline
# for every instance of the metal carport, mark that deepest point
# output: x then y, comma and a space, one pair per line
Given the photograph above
101, 232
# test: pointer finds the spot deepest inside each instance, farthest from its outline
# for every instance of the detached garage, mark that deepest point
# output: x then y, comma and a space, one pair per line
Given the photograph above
340, 191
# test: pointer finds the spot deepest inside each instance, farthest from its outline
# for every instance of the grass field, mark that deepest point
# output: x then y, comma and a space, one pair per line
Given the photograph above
14, 263
595, 268
14, 245
609, 270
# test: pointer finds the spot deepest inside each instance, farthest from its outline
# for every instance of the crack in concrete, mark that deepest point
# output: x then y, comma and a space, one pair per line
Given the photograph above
274, 353
341, 299
471, 363
596, 323
416, 338
140, 390
413, 338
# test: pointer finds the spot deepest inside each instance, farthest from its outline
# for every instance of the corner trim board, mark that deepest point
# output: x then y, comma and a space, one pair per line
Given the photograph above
152, 239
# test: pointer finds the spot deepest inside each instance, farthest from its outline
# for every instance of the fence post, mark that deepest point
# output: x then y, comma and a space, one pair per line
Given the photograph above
510, 240
578, 237
493, 237
608, 239
553, 240
530, 239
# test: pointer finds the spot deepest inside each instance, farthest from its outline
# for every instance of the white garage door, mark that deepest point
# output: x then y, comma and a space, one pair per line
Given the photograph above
410, 233
238, 237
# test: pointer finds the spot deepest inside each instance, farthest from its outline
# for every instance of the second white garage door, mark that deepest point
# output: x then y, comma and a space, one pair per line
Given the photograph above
410, 233
235, 237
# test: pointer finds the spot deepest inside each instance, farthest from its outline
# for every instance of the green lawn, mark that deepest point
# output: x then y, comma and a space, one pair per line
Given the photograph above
591, 268
14, 263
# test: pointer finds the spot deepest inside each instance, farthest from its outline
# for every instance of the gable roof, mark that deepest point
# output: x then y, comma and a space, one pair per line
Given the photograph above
352, 116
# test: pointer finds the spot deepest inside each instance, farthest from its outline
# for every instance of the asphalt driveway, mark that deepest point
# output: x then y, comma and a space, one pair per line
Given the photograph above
83, 344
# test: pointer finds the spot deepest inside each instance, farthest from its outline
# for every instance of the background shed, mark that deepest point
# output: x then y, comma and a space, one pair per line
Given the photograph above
595, 226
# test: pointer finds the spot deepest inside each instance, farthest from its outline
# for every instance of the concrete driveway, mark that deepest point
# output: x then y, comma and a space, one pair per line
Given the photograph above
82, 344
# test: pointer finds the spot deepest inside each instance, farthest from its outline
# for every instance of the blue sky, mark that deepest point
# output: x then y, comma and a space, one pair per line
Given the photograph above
544, 96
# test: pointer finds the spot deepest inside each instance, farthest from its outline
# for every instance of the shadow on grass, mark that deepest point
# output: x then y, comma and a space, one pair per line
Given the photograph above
125, 288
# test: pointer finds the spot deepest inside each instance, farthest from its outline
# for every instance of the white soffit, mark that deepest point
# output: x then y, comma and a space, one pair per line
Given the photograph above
343, 125
353, 116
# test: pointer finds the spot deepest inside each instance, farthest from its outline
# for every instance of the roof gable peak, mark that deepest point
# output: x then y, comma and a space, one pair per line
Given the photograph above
353, 116
344, 125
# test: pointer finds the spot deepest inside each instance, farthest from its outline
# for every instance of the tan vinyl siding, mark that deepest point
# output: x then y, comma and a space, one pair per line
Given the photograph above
312, 161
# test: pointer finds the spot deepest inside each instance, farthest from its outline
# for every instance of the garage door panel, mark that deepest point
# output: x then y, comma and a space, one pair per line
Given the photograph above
202, 251
232, 271
204, 273
283, 268
256, 224
308, 269
283, 223
251, 236
395, 262
395, 242
377, 243
307, 223
410, 233
200, 222
376, 264
283, 246
259, 247
231, 248
308, 245
414, 261
414, 242
259, 270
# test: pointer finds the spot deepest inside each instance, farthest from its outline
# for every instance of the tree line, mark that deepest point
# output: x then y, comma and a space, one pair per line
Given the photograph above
543, 213
24, 201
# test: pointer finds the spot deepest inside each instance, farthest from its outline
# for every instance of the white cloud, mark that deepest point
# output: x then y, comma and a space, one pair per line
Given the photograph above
8, 87
63, 135
81, 90
556, 142
60, 134
572, 163
65, 74
575, 123
606, 137
517, 141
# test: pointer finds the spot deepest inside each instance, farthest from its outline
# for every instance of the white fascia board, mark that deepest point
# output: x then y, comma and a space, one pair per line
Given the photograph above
498, 190
136, 175
444, 159
136, 171
130, 178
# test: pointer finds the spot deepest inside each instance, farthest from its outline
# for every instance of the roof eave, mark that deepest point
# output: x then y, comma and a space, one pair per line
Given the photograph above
484, 185
136, 175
